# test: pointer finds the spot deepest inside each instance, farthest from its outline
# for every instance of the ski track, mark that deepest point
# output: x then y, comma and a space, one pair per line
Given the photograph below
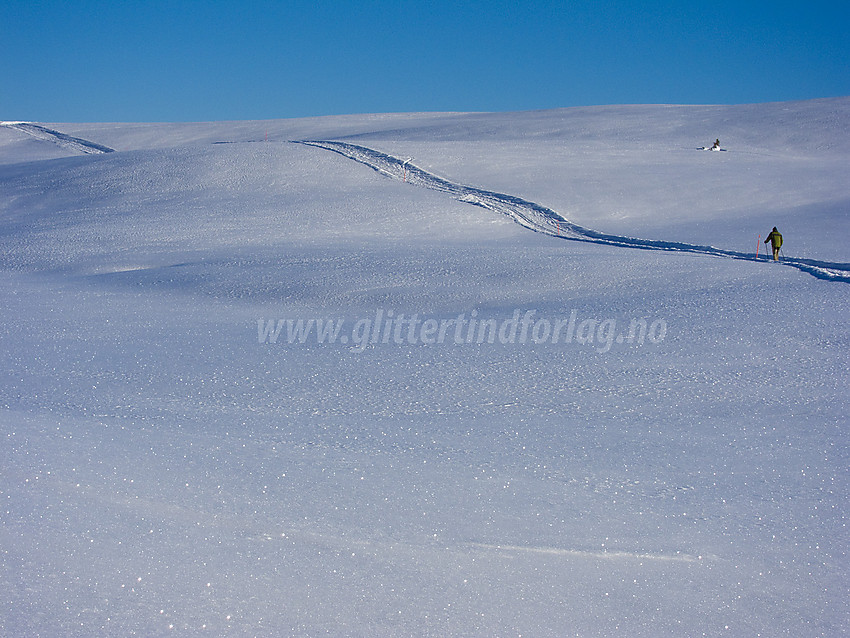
544, 220
377, 545
75, 144
590, 554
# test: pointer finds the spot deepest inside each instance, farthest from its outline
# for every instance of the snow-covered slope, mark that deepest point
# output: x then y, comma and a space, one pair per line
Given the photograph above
503, 432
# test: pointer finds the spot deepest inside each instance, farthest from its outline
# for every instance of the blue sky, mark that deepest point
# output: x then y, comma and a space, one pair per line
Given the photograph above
184, 61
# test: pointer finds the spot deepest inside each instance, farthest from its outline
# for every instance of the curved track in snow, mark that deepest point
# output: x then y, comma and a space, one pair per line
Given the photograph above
75, 144
544, 220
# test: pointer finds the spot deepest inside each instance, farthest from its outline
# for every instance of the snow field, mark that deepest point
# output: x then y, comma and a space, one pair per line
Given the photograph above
162, 471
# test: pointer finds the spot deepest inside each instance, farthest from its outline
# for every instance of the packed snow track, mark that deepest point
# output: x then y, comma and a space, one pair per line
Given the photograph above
544, 220
76, 144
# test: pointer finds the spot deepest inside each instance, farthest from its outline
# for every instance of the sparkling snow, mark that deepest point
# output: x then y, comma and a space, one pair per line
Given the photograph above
164, 470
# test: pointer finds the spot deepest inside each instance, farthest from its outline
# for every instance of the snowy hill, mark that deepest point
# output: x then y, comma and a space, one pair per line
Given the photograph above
431, 374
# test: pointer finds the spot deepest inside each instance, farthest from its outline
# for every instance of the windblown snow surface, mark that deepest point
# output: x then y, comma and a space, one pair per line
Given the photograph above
555, 392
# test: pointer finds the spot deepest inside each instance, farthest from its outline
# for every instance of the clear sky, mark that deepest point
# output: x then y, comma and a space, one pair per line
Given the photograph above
183, 61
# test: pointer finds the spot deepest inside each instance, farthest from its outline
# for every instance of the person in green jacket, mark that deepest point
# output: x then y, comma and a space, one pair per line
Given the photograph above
775, 239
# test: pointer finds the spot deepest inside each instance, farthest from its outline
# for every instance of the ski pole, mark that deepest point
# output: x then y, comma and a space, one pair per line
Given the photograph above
758, 245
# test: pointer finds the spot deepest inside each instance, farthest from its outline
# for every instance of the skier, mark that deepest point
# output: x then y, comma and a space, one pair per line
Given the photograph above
775, 239
716, 146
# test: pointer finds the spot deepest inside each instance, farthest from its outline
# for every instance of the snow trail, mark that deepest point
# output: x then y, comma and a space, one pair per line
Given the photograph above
545, 220
75, 144
589, 554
